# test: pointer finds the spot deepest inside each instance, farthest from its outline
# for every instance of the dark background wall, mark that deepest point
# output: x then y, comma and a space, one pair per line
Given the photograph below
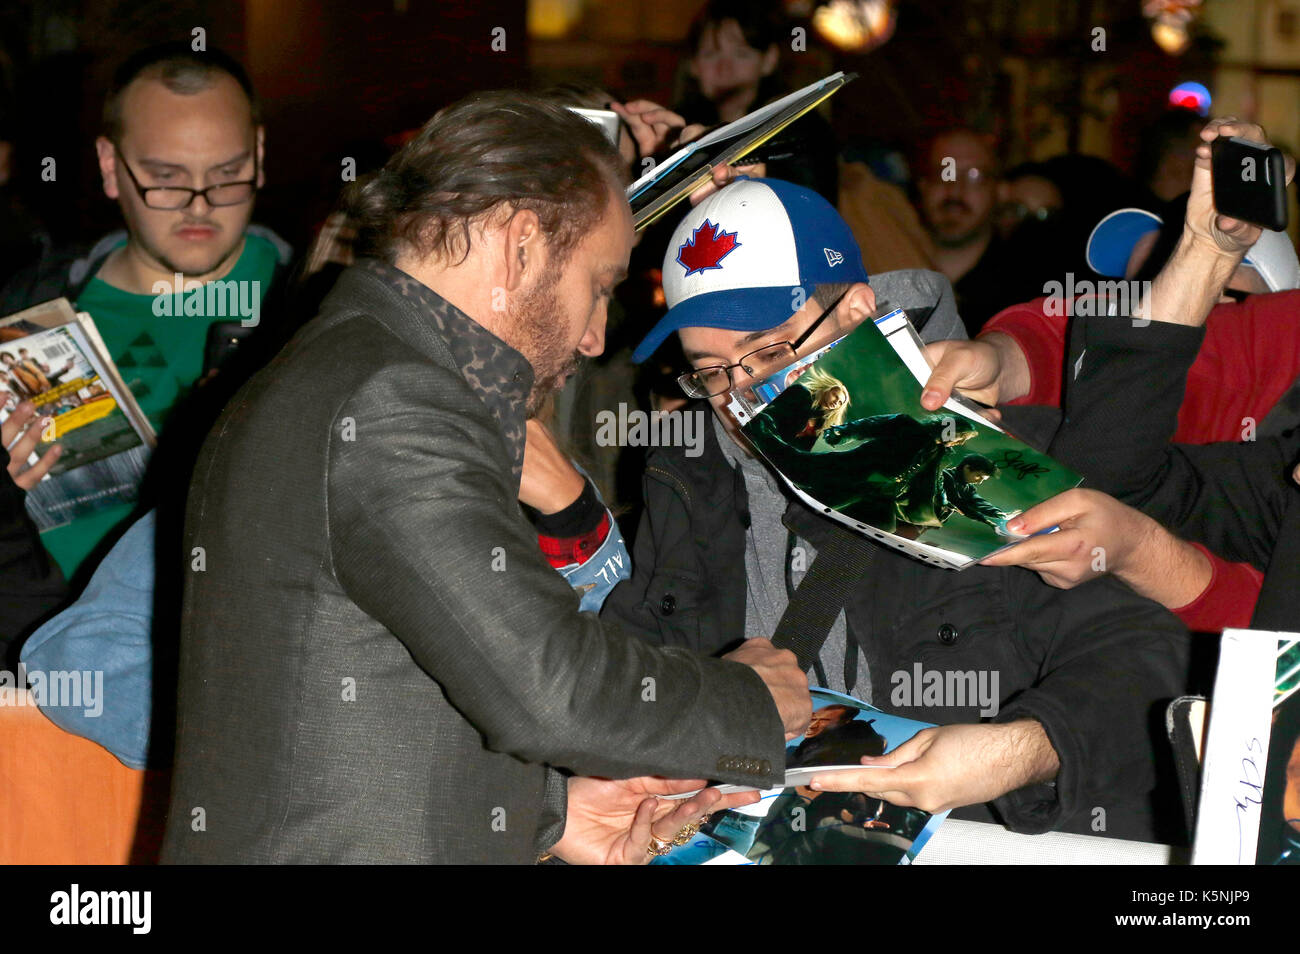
336, 77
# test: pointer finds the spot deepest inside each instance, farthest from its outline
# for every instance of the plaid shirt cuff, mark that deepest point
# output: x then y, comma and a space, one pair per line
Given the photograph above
566, 551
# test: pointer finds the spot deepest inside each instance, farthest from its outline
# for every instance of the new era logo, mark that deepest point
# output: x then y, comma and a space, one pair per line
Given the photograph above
833, 257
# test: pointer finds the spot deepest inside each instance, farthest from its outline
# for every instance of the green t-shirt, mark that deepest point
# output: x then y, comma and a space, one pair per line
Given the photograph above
160, 356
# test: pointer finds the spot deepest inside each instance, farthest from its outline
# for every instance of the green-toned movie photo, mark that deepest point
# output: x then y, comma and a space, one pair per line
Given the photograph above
849, 431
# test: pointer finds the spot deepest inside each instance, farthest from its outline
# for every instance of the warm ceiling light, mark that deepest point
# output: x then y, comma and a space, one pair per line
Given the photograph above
553, 19
1170, 20
855, 25
1170, 37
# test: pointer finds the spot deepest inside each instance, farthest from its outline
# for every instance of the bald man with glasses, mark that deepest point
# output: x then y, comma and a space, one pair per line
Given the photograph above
181, 153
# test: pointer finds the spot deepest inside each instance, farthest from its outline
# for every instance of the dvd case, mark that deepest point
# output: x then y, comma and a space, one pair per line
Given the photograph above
55, 358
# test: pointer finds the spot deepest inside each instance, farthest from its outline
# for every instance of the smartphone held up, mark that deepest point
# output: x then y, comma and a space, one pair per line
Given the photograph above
1250, 182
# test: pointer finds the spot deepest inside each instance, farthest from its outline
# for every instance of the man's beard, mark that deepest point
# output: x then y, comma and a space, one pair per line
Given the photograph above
537, 334
956, 233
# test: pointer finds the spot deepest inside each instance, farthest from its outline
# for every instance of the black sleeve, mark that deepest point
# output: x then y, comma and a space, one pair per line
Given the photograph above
30, 582
1110, 663
506, 646
1121, 411
626, 604
581, 516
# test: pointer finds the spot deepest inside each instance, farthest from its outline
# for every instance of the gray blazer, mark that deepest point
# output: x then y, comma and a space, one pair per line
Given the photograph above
376, 662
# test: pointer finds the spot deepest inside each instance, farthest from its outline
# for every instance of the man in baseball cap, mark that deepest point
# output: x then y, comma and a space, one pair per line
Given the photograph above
761, 272
796, 241
1133, 243
1246, 371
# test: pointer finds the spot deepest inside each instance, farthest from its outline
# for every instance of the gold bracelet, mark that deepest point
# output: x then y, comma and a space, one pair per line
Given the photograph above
686, 834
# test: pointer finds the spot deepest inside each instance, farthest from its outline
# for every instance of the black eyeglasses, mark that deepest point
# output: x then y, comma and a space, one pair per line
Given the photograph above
763, 363
173, 198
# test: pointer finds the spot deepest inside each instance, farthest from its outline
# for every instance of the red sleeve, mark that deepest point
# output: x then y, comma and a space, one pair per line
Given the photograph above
1250, 357
563, 551
1227, 601
1041, 336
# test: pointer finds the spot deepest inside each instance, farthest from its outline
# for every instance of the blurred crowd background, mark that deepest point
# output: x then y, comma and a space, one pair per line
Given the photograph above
1051, 112
344, 79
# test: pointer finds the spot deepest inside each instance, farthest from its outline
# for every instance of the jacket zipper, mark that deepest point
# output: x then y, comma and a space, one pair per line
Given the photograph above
676, 481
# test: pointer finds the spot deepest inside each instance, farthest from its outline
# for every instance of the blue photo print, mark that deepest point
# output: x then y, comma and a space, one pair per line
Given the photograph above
797, 826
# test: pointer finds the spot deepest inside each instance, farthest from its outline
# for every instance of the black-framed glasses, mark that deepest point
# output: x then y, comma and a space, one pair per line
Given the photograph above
174, 198
762, 363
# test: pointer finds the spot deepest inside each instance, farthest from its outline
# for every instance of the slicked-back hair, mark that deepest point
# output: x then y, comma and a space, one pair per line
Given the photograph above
488, 153
183, 70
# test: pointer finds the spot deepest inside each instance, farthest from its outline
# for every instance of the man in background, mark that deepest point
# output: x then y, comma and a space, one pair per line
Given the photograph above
181, 152
957, 184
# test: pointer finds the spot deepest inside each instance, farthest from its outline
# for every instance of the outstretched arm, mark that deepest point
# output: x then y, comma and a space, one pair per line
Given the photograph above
538, 679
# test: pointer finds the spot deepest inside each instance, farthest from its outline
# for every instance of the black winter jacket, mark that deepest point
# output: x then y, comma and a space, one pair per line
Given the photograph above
1095, 665
1238, 500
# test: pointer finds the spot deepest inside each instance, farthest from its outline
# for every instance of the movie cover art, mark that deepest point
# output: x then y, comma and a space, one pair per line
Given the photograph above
849, 432
798, 826
48, 368
54, 358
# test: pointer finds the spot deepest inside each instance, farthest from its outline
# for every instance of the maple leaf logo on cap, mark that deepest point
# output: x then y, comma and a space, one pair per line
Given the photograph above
706, 248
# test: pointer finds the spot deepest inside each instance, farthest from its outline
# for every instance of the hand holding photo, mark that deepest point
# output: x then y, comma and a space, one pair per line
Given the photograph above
801, 824
845, 429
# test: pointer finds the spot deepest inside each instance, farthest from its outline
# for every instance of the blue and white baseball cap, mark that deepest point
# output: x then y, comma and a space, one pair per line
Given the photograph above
736, 259
1112, 240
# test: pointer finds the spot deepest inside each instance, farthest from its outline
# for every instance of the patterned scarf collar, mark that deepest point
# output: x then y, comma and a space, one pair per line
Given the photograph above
499, 375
